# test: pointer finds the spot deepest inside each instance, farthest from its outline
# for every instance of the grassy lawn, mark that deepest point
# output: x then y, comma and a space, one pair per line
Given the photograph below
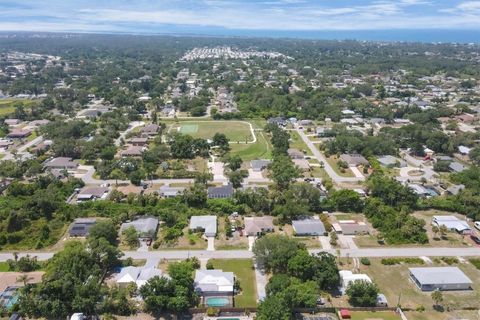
259, 150
234, 130
244, 272
7, 106
394, 281
4, 267
333, 163
296, 142
380, 315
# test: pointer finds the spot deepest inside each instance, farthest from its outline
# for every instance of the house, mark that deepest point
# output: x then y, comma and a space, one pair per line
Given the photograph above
146, 227
302, 164
279, 121
137, 275
19, 133
170, 192
38, 123
132, 151
347, 277
62, 163
81, 227
221, 192
464, 150
456, 166
139, 141
295, 154
207, 224
391, 161
350, 227
12, 122
422, 191
353, 160
93, 193
308, 227
215, 283
452, 223
150, 130
455, 189
259, 165
255, 226
440, 278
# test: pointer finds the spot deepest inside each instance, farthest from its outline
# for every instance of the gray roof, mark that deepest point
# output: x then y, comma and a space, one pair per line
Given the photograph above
207, 223
93, 192
353, 159
60, 162
439, 275
167, 191
214, 281
220, 192
142, 225
259, 164
389, 160
308, 227
457, 167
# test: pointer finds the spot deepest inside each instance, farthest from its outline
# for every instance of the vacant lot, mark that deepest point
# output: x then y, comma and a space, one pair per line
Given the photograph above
234, 130
8, 106
245, 273
451, 239
259, 150
380, 315
333, 163
394, 281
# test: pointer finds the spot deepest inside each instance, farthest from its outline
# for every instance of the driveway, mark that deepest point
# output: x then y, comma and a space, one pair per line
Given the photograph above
346, 242
211, 243
216, 168
251, 241
357, 172
261, 281
325, 242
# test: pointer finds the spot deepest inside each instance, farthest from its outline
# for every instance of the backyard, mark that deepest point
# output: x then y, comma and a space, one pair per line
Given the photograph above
379, 315
245, 274
394, 282
234, 130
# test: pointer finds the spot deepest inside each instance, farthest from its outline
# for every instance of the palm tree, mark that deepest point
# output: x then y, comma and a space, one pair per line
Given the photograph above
24, 278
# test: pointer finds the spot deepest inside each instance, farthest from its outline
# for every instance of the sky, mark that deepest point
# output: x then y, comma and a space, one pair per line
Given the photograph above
242, 17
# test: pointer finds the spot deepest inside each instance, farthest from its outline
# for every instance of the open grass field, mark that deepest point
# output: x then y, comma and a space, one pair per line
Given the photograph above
262, 149
244, 272
8, 106
380, 315
394, 282
234, 130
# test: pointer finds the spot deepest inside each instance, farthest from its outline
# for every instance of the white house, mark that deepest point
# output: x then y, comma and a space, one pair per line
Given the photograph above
137, 275
347, 277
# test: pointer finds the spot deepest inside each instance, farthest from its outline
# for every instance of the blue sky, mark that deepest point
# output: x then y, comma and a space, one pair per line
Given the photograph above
167, 16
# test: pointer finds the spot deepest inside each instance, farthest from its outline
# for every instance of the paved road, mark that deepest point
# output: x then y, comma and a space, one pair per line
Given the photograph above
132, 125
321, 158
245, 254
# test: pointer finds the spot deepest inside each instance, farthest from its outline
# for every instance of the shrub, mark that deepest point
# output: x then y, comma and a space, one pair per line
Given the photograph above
365, 261
475, 262
212, 312
449, 260
209, 265
393, 261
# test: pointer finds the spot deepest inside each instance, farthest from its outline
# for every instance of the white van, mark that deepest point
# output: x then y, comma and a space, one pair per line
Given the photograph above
477, 224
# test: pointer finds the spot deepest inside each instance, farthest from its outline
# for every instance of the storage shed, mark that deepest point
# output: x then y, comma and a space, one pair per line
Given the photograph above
440, 278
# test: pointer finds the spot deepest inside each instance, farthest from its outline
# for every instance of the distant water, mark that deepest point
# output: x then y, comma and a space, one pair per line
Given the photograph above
457, 36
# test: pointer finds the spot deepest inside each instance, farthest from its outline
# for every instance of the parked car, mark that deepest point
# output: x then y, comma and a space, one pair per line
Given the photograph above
475, 238
477, 224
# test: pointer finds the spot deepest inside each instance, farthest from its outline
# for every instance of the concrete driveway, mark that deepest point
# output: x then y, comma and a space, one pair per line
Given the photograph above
251, 241
210, 243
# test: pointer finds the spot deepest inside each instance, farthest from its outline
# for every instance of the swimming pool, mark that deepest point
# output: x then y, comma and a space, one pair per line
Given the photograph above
217, 302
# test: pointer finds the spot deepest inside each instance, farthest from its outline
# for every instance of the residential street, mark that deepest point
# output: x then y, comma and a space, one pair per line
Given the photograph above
245, 254
321, 158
